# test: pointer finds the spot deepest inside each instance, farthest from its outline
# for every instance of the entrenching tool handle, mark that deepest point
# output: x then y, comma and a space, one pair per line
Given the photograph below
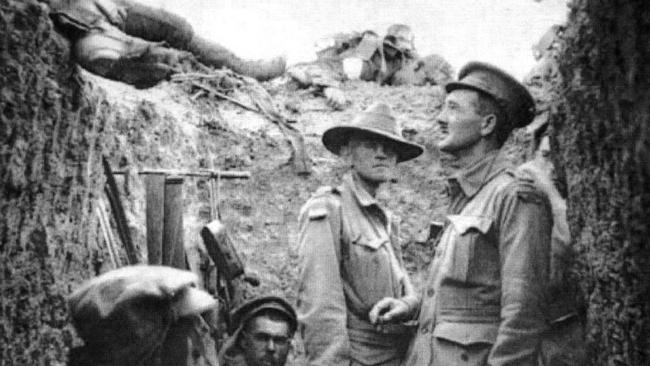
173, 253
155, 195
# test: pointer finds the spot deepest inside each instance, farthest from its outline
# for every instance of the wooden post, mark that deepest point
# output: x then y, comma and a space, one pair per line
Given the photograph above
155, 195
173, 253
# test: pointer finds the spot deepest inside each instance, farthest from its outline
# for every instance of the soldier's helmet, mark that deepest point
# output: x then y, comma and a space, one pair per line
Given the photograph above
400, 37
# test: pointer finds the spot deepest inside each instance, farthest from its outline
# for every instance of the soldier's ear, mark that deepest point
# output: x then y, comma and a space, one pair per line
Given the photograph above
345, 153
489, 124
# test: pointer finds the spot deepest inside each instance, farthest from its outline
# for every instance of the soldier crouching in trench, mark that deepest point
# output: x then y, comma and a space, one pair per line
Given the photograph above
485, 298
350, 255
264, 328
137, 44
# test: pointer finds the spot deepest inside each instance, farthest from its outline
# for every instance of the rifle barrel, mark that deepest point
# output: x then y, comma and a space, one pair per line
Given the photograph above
222, 174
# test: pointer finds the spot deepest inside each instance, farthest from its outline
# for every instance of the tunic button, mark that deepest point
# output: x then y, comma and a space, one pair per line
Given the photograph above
464, 357
425, 327
430, 292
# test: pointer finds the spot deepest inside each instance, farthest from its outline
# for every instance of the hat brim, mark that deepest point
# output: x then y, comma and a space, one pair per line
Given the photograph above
193, 302
338, 136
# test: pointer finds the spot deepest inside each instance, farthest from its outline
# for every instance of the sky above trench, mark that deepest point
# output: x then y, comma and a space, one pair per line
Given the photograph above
501, 32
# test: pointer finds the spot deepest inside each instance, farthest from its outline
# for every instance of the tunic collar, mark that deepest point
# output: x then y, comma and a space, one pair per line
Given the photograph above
472, 178
358, 192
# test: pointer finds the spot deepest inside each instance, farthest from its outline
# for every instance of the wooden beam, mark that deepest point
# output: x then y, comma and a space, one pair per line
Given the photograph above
155, 196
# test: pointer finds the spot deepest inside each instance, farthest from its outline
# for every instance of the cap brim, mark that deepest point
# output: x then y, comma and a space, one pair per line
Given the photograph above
455, 85
243, 313
336, 137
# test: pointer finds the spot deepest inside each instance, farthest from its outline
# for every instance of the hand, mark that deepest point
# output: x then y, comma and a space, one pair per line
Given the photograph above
335, 98
541, 174
388, 310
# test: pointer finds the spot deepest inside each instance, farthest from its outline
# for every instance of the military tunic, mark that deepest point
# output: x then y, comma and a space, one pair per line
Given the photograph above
483, 302
350, 259
563, 343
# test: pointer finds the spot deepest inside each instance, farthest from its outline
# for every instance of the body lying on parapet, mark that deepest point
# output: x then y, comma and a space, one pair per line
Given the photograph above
141, 45
389, 60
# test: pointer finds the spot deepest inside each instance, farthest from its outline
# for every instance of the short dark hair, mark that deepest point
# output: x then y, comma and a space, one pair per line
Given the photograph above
274, 315
486, 104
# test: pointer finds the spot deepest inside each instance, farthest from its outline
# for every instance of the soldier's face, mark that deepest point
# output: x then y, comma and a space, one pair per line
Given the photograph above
266, 342
543, 157
373, 158
460, 124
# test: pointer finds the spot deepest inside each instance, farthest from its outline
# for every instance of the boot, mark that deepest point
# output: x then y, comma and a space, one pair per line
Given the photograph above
215, 55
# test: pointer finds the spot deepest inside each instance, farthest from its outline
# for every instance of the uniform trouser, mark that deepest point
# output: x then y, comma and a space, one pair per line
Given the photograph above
158, 25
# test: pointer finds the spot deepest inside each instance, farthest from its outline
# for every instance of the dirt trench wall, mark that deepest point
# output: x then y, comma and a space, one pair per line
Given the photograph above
49, 169
603, 134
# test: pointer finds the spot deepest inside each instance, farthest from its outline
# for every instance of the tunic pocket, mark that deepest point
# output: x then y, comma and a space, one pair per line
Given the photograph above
369, 269
468, 232
463, 343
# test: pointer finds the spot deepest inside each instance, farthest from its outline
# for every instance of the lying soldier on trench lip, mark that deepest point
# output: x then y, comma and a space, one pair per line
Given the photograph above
141, 45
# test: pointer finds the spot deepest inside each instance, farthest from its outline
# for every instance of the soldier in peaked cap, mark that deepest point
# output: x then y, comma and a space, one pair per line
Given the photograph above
261, 336
349, 251
483, 302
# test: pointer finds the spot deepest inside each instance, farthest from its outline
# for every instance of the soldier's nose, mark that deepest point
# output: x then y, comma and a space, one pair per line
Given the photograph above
270, 345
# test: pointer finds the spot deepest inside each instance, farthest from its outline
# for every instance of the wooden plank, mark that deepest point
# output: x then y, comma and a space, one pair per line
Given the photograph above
113, 195
173, 253
155, 196
100, 210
